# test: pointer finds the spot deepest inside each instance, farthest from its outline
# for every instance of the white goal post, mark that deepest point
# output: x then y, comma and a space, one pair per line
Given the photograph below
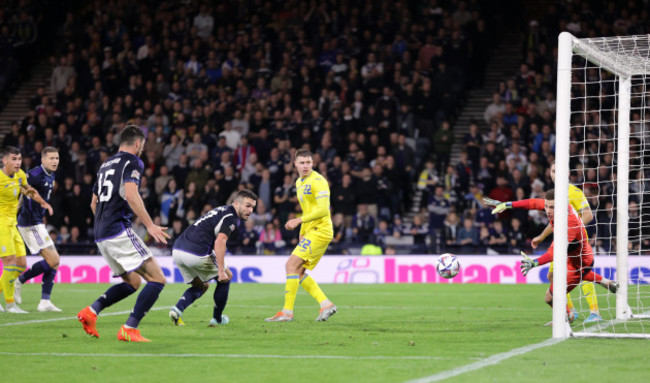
603, 85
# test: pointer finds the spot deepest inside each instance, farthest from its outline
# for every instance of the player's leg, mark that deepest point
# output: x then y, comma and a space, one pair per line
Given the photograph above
113, 251
13, 263
194, 292
589, 291
220, 299
51, 256
293, 268
152, 273
189, 266
548, 298
38, 241
9, 270
569, 302
610, 285
318, 246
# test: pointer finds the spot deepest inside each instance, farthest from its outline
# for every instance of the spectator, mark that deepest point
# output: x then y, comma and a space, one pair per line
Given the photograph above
343, 199
336, 246
248, 238
271, 239
516, 237
181, 170
495, 109
443, 141
285, 199
171, 203
162, 180
452, 227
198, 175
232, 136
438, 207
363, 225
498, 236
468, 235
61, 74
419, 231
196, 149
172, 152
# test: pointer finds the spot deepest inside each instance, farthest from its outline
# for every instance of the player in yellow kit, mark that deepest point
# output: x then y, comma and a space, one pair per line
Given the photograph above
579, 202
316, 232
13, 182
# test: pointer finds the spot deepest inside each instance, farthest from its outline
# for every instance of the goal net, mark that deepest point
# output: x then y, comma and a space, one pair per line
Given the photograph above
603, 148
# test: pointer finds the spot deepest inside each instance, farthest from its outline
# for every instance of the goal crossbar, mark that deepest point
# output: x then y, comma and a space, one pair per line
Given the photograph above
625, 56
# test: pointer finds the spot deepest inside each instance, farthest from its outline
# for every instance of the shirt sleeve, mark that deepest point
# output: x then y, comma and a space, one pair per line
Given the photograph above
321, 192
546, 257
577, 199
228, 226
32, 180
529, 204
133, 172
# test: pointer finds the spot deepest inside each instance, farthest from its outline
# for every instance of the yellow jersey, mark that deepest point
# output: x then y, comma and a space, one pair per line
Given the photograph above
10, 196
313, 194
577, 199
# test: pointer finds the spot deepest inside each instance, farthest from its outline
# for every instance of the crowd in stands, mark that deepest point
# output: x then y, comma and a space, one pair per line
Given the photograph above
227, 91
19, 25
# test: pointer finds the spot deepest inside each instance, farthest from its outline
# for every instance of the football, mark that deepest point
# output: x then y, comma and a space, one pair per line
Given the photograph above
447, 265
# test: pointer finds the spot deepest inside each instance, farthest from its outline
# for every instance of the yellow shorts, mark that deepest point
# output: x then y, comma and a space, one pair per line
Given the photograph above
550, 267
11, 243
312, 247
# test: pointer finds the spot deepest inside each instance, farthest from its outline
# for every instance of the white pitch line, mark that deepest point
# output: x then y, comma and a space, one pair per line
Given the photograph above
492, 360
271, 306
234, 356
497, 358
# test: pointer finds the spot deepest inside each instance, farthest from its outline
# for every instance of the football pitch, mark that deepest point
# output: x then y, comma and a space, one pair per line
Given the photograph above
382, 333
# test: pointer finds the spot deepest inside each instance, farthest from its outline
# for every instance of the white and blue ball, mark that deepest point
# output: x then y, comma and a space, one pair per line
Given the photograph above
447, 265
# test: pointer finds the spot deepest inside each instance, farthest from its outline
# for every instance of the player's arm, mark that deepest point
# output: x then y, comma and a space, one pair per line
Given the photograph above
579, 201
220, 254
537, 240
321, 210
137, 205
528, 204
33, 194
586, 215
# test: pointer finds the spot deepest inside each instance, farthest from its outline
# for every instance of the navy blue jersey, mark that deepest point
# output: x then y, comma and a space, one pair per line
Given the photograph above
113, 214
31, 213
199, 238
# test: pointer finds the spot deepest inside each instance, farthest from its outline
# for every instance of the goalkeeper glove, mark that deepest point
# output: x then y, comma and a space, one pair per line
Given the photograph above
502, 207
527, 264
490, 202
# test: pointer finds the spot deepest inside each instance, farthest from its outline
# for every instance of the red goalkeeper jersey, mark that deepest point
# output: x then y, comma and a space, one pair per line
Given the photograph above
576, 259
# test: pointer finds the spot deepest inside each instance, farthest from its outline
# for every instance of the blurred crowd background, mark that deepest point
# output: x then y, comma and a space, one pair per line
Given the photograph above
226, 91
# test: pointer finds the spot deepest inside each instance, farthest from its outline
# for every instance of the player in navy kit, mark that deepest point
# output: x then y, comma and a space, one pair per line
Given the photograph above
199, 253
34, 233
115, 201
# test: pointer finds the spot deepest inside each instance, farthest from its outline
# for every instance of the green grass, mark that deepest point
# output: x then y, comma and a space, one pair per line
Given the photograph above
417, 330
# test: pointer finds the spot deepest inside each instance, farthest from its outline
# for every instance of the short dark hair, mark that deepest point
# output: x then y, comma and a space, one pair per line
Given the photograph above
303, 152
49, 149
9, 150
245, 193
130, 134
550, 195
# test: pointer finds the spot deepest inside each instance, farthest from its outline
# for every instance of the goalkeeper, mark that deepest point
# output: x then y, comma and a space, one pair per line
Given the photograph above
579, 202
580, 257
